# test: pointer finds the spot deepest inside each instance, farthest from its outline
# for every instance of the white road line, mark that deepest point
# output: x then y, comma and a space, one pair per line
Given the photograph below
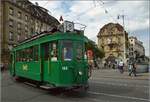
109, 77
93, 99
118, 96
118, 84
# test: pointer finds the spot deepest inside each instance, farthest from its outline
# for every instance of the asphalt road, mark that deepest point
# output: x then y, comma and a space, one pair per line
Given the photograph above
105, 86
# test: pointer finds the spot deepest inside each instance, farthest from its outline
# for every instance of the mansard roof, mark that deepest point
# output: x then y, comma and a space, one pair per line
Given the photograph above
36, 11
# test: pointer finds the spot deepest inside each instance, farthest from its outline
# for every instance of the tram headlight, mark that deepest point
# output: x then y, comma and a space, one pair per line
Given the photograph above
80, 73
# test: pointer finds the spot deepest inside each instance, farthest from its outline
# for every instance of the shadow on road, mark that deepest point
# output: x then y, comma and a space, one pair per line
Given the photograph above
67, 93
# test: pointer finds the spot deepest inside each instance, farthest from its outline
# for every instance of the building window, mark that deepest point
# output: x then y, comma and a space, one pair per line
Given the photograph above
18, 37
19, 25
11, 36
14, 1
31, 20
11, 11
31, 31
26, 27
19, 3
26, 17
19, 14
11, 22
36, 26
25, 37
10, 47
131, 49
19, 30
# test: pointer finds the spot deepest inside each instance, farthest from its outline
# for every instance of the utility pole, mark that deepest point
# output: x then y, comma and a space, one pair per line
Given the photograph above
124, 34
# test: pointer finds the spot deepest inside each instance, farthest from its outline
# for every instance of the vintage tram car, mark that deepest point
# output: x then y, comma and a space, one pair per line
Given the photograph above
54, 58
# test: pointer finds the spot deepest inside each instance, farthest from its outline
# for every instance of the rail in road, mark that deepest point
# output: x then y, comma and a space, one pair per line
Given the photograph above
90, 95
101, 90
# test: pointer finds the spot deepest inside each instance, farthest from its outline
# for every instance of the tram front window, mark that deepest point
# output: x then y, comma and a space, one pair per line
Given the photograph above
79, 51
67, 50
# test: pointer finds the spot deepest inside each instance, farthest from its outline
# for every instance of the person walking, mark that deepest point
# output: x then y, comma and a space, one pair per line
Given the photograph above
121, 64
133, 69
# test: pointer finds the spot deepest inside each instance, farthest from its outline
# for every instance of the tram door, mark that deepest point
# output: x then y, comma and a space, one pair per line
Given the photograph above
45, 60
67, 65
79, 62
50, 64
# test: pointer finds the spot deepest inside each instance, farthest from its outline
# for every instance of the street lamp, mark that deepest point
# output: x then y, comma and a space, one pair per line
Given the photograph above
124, 34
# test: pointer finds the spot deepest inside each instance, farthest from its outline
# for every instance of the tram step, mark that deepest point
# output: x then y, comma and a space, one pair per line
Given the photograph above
47, 86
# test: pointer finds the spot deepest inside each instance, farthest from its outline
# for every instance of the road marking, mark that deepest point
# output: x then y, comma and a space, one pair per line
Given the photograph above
118, 84
93, 99
118, 96
126, 77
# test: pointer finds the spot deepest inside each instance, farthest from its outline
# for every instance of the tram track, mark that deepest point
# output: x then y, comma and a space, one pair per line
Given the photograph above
100, 90
88, 97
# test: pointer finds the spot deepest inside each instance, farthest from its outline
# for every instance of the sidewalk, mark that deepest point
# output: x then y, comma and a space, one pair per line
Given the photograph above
110, 73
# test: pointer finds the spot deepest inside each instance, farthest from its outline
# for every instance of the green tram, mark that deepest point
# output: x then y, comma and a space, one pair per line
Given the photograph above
52, 59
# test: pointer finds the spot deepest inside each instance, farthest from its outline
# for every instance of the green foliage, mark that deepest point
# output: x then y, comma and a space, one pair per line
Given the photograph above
98, 53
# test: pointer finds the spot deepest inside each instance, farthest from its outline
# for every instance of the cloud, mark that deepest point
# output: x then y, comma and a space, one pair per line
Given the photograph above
94, 15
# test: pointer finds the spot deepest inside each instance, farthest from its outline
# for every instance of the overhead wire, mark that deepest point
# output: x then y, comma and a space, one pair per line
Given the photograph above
105, 10
45, 3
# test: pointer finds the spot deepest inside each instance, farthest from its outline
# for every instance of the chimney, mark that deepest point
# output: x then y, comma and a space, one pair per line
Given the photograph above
36, 3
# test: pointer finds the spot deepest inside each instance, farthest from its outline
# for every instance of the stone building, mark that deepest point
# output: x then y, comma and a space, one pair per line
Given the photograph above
19, 20
135, 47
112, 38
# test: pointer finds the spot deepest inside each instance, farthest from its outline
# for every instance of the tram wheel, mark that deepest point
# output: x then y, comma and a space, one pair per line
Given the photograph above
18, 79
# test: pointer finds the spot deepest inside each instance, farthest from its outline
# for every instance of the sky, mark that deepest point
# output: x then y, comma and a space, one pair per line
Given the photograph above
96, 13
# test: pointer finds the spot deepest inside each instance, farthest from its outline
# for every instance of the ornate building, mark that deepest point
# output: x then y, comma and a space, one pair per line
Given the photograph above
135, 47
19, 20
112, 38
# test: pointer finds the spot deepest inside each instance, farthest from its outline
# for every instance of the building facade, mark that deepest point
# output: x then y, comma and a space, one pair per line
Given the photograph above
135, 47
113, 40
20, 20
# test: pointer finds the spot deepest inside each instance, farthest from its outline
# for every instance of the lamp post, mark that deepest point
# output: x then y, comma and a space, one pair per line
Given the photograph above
124, 34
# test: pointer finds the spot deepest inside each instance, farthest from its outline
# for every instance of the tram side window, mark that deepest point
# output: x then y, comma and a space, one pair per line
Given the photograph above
23, 55
28, 54
79, 51
46, 51
54, 51
67, 50
35, 53
18, 56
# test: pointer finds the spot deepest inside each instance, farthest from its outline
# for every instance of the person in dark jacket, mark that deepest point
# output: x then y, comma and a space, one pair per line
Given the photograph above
133, 69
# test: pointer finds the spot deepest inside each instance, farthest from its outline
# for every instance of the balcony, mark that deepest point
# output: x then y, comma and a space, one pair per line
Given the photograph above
112, 44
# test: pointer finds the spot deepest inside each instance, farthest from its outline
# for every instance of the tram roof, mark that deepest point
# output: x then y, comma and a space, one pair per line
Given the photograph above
46, 37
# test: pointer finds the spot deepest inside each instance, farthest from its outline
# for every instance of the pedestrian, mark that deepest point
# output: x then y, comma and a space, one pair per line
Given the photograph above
133, 69
105, 65
121, 65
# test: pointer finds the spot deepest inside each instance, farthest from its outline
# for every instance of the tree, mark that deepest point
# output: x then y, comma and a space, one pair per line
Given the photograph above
98, 53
